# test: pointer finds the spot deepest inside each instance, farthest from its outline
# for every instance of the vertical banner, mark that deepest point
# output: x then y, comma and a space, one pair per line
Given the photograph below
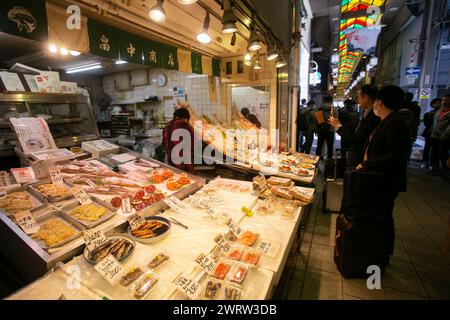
63, 36
153, 55
196, 61
25, 18
207, 66
103, 40
184, 61
170, 57
216, 67
130, 47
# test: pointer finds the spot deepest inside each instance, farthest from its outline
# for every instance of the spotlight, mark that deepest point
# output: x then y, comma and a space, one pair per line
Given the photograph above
64, 51
52, 48
157, 13
187, 1
228, 18
272, 52
74, 53
248, 56
203, 36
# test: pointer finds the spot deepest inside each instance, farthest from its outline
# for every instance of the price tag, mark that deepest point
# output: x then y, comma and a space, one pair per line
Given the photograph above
174, 203
90, 183
27, 222
234, 227
247, 211
81, 195
187, 286
56, 176
135, 221
23, 175
222, 243
126, 205
110, 269
206, 263
268, 248
94, 240
40, 168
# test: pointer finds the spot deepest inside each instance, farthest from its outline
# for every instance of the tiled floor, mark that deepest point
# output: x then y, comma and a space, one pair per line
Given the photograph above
418, 268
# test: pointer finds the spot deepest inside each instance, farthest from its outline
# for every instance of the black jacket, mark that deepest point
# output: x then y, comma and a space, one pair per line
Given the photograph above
387, 152
362, 133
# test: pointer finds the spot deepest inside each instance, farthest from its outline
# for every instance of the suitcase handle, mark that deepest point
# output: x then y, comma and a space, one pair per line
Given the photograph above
336, 252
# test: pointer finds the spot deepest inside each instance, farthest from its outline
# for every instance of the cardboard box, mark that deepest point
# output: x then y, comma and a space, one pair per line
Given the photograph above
100, 148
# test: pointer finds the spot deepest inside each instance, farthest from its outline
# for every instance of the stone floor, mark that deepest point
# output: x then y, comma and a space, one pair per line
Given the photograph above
418, 270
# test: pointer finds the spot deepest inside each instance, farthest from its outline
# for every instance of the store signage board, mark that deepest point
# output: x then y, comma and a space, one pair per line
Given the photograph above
23, 175
187, 286
81, 195
94, 239
223, 244
234, 228
56, 176
135, 221
110, 269
413, 71
206, 263
425, 93
33, 134
11, 81
27, 222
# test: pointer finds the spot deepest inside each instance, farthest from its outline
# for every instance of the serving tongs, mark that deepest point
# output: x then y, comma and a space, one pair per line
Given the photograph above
173, 220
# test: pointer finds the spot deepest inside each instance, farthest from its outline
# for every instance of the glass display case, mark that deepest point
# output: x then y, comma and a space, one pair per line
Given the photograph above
69, 117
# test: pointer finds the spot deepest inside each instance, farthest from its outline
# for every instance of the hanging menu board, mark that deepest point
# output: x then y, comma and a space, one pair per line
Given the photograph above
33, 134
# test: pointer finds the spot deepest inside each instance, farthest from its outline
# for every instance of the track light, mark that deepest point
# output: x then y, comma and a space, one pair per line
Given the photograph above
233, 39
228, 18
203, 36
272, 52
248, 56
187, 1
157, 13
257, 65
280, 62
254, 42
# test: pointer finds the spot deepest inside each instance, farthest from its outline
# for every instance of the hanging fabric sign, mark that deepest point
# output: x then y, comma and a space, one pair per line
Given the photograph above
152, 54
103, 40
170, 57
196, 62
25, 18
184, 61
364, 40
216, 67
130, 47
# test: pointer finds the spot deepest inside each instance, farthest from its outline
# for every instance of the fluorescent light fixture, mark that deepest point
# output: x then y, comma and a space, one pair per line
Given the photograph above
52, 48
121, 62
74, 53
228, 18
187, 1
157, 13
64, 51
86, 67
204, 37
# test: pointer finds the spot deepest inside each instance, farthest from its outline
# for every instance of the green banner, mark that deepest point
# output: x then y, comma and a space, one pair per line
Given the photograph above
130, 47
103, 40
169, 57
196, 62
25, 18
216, 67
153, 55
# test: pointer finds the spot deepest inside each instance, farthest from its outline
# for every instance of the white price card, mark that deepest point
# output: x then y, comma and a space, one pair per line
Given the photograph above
27, 222
222, 243
126, 205
186, 285
234, 227
135, 221
208, 264
81, 195
268, 248
94, 239
175, 203
40, 168
23, 175
110, 269
56, 176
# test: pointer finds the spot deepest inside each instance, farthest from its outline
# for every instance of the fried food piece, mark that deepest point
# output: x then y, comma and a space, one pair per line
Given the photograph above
53, 232
52, 190
88, 212
15, 202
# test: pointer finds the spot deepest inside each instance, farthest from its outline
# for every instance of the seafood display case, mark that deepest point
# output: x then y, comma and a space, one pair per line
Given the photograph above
69, 117
33, 261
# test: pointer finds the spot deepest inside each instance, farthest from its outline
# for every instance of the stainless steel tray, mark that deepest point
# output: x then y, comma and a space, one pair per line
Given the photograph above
67, 220
51, 199
38, 199
111, 211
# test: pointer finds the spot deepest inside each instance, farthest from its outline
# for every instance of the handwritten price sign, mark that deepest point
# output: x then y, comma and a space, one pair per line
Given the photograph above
94, 240
187, 286
126, 205
234, 227
110, 269
27, 222
222, 243
206, 263
135, 221
81, 195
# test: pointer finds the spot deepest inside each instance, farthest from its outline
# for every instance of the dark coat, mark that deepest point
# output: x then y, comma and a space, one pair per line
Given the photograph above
387, 152
362, 133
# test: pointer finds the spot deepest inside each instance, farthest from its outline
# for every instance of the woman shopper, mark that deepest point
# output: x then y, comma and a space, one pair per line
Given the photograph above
386, 152
428, 121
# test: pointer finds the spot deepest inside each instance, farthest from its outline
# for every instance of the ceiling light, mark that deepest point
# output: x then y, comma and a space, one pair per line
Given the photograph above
74, 53
157, 13
248, 56
228, 18
254, 42
257, 65
86, 67
64, 51
203, 36
280, 63
272, 53
52, 48
121, 62
248, 62
187, 1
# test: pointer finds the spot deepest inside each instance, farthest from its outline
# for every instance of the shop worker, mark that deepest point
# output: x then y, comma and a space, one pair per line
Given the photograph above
386, 152
172, 137
251, 117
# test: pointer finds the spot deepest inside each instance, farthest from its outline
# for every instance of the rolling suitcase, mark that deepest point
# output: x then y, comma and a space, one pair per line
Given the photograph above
359, 245
334, 184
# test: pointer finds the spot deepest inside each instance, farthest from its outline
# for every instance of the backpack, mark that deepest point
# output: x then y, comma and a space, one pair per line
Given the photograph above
302, 122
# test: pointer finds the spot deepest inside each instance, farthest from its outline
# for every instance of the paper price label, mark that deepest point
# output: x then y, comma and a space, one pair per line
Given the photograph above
23, 175
206, 263
56, 176
81, 195
94, 240
110, 269
267, 248
135, 221
234, 227
174, 203
126, 205
222, 243
40, 168
188, 286
27, 222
